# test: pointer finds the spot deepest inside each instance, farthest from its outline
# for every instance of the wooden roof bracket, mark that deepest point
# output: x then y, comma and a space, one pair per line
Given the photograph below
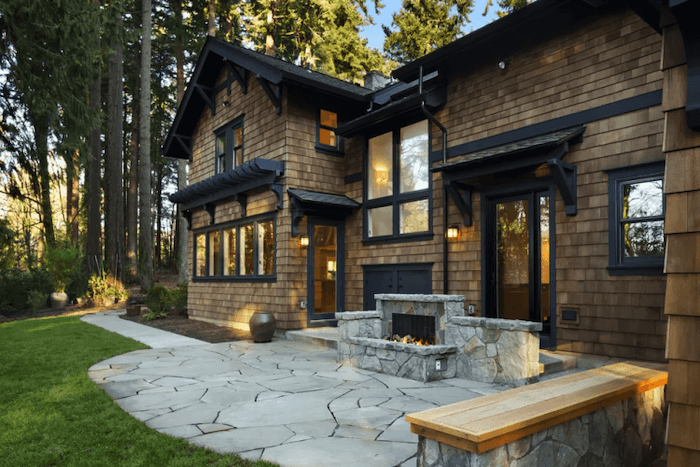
239, 74
686, 13
243, 201
185, 143
461, 194
211, 209
187, 214
277, 189
273, 94
297, 215
207, 94
564, 175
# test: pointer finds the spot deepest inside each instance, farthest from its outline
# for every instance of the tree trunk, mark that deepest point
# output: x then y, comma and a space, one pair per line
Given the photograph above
212, 18
93, 251
73, 197
145, 235
132, 193
114, 199
41, 129
159, 213
181, 163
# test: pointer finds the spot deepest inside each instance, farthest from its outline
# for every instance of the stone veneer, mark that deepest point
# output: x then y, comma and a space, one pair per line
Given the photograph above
480, 349
629, 433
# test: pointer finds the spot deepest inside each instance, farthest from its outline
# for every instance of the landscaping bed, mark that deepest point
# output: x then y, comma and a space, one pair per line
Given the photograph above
193, 328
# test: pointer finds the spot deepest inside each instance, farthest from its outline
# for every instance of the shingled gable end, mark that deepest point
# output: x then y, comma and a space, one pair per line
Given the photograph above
553, 171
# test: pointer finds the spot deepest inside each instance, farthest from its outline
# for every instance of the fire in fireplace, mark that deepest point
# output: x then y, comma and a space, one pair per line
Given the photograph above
413, 329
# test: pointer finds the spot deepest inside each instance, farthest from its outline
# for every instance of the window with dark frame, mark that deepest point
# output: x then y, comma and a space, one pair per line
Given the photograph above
327, 141
637, 209
398, 195
241, 250
229, 146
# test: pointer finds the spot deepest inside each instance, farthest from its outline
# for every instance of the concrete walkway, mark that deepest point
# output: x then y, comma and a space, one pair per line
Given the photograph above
286, 402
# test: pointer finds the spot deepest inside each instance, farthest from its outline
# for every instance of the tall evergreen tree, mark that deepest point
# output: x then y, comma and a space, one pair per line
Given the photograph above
422, 26
506, 7
145, 259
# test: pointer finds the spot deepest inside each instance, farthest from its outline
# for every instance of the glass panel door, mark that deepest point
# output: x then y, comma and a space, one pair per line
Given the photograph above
518, 267
513, 259
325, 272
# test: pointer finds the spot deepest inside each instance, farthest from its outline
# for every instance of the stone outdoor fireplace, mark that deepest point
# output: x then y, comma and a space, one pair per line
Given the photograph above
481, 349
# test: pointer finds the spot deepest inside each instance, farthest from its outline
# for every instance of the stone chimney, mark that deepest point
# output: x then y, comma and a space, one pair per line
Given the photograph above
375, 80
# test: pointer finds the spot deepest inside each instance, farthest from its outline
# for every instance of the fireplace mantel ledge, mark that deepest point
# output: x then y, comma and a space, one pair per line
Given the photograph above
400, 346
396, 297
495, 323
350, 315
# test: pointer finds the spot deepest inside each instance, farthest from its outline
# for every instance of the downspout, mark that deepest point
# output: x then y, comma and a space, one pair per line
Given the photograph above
431, 117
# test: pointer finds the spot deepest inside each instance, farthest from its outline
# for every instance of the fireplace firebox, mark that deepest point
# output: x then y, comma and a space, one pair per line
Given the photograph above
420, 328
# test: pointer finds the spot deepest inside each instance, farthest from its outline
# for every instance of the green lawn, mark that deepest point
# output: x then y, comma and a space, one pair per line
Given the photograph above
51, 413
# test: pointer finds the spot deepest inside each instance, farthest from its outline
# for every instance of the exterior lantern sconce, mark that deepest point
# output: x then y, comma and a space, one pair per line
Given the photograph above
503, 64
453, 232
303, 241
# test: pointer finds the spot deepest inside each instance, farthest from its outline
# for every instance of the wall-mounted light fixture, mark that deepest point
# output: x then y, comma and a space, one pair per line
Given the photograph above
303, 241
382, 175
224, 103
453, 232
503, 64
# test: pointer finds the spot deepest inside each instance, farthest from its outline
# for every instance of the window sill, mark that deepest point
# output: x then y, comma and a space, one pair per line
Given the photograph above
329, 150
235, 279
400, 239
636, 270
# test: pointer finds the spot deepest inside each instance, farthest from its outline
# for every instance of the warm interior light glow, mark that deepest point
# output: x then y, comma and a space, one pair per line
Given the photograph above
303, 240
382, 175
331, 266
453, 232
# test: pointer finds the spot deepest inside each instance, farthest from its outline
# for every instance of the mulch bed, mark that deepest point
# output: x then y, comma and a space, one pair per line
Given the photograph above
193, 328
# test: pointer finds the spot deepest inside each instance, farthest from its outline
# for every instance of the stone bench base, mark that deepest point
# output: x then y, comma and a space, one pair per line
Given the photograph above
629, 433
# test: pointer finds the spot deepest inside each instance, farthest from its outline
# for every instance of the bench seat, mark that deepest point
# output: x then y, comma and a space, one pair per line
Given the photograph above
482, 424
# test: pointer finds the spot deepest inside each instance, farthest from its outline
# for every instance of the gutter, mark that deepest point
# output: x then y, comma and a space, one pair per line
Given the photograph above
431, 118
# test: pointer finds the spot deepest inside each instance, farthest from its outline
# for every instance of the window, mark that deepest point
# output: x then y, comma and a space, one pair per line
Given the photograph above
398, 185
241, 250
327, 141
229, 146
636, 219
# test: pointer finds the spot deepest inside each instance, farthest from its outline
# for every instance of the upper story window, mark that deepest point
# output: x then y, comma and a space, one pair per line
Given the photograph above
229, 146
398, 198
637, 210
327, 141
241, 250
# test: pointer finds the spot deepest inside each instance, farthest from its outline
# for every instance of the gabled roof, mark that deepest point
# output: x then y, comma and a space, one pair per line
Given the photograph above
214, 56
533, 23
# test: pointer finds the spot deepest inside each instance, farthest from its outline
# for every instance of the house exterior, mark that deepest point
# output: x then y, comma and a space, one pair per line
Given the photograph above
536, 142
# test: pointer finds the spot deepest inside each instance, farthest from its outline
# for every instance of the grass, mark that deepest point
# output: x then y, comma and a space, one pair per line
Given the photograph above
51, 413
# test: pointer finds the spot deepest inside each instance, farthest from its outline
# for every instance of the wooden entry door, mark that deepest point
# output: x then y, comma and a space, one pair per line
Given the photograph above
326, 271
518, 268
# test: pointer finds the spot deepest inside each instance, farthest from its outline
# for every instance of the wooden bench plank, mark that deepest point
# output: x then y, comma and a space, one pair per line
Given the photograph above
481, 424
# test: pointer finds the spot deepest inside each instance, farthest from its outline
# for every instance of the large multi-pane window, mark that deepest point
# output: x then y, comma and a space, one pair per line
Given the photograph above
228, 146
636, 219
240, 250
398, 183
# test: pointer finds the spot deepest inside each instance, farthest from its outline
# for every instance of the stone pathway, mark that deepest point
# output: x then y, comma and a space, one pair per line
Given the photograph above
286, 402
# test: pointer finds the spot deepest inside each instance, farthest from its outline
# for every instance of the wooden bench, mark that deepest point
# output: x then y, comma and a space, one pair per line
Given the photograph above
482, 424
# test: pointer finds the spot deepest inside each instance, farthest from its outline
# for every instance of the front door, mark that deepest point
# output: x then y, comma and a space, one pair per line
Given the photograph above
326, 271
518, 265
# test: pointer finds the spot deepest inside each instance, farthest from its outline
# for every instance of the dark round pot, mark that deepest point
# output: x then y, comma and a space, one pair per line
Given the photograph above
262, 326
59, 300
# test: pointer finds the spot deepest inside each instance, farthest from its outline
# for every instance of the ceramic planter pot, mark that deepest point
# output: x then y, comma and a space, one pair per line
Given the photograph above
262, 326
59, 300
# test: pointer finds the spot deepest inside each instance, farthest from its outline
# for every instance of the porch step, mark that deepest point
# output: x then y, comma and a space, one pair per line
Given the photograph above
554, 362
322, 336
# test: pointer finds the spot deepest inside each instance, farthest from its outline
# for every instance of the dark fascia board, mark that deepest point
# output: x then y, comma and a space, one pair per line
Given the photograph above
212, 58
530, 24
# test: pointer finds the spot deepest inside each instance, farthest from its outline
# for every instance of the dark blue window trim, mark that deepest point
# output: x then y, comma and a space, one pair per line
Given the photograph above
618, 265
229, 131
339, 148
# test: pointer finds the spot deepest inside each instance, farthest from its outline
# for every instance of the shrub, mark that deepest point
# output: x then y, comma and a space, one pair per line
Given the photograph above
178, 296
79, 283
103, 285
158, 300
36, 299
15, 286
61, 262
